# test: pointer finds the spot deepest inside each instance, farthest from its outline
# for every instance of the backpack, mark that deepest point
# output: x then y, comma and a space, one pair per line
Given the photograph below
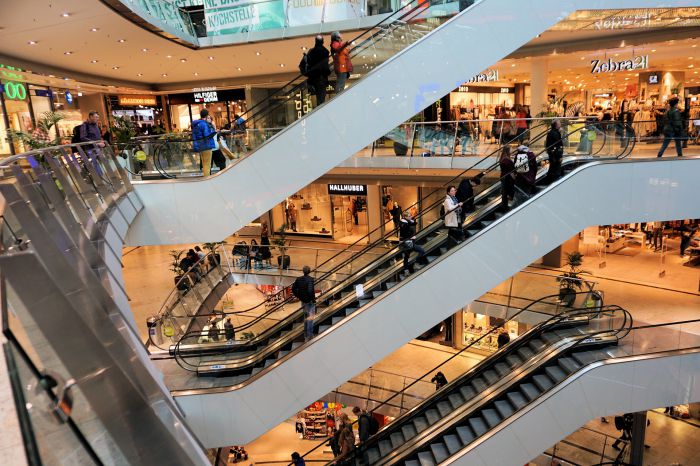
304, 65
522, 162
373, 424
75, 139
300, 291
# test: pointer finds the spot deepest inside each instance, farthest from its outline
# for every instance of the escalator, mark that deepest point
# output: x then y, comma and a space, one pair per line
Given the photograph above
386, 96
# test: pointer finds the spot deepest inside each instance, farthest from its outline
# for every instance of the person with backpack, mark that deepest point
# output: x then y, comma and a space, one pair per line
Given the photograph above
314, 65
407, 238
367, 425
673, 128
525, 173
88, 131
203, 134
507, 177
341, 61
303, 290
554, 146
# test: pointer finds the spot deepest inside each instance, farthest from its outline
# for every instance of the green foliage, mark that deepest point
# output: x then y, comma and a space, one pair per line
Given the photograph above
42, 136
175, 264
280, 239
247, 336
123, 130
572, 278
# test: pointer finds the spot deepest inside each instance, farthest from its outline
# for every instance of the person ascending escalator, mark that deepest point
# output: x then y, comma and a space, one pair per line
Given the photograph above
555, 150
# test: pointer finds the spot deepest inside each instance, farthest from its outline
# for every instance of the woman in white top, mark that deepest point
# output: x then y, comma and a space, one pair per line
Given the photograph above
452, 215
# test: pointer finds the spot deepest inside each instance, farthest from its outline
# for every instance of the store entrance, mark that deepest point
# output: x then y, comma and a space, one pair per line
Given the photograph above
350, 222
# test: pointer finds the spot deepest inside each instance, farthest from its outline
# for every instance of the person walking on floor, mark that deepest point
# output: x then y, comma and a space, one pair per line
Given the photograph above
555, 150
407, 238
507, 177
341, 61
303, 289
203, 140
673, 128
453, 213
318, 70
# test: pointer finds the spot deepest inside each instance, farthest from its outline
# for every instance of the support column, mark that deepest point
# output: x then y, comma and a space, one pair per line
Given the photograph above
538, 84
639, 428
374, 212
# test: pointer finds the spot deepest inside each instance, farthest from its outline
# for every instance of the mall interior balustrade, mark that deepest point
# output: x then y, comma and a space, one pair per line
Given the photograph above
589, 446
66, 210
342, 300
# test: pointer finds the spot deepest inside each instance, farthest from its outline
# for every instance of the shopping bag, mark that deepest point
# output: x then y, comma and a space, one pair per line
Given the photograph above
225, 150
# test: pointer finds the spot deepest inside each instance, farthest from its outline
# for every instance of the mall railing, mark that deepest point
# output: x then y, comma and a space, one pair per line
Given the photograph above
587, 446
430, 214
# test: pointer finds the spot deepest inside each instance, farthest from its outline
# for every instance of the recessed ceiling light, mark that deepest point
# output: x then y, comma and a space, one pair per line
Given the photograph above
258, 53
165, 75
121, 41
144, 50
168, 56
94, 61
32, 42
512, 65
115, 67
140, 74
281, 65
694, 45
690, 66
303, 47
94, 29
65, 14
239, 68
196, 74
68, 53
653, 50
211, 58
183, 60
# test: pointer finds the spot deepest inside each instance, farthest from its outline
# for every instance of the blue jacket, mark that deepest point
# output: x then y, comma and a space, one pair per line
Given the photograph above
203, 136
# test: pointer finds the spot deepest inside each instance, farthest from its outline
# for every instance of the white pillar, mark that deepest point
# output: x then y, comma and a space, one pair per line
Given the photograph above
538, 84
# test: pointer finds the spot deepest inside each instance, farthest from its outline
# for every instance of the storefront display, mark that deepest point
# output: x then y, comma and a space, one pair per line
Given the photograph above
475, 326
222, 104
350, 221
308, 212
396, 199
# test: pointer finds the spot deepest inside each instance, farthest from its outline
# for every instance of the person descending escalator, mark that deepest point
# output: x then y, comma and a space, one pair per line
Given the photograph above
453, 214
407, 238
341, 61
525, 174
317, 70
507, 177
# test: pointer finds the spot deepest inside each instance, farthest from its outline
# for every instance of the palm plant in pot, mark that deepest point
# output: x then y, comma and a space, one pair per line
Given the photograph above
280, 240
176, 256
214, 257
570, 282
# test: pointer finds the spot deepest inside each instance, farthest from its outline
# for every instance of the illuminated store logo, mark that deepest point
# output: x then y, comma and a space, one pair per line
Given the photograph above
638, 20
135, 100
610, 66
206, 97
15, 91
487, 76
357, 189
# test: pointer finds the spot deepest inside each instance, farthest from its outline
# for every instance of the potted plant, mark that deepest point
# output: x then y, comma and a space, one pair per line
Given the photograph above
175, 264
280, 240
214, 258
42, 135
124, 131
570, 282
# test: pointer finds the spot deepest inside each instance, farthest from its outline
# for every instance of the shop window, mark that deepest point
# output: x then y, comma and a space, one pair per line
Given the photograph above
20, 120
396, 199
4, 145
308, 211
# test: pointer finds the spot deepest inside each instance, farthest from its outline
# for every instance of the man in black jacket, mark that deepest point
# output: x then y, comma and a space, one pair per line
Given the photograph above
465, 194
303, 289
672, 128
317, 60
555, 150
407, 236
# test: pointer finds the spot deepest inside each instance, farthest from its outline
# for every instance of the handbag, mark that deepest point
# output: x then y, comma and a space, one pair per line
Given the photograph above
225, 150
407, 245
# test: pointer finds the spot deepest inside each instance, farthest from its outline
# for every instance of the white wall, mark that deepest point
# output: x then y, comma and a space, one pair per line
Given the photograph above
595, 194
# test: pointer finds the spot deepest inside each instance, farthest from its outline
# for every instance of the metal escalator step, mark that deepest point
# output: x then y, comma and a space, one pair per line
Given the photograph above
255, 370
568, 365
409, 431
516, 399
536, 345
335, 320
432, 415
284, 332
323, 328
587, 357
513, 360
385, 448
478, 426
530, 391
390, 285
269, 362
444, 408
555, 373
373, 455
456, 400
466, 435
452, 443
443, 250
425, 458
480, 385
472, 232
296, 344
543, 382
378, 293
420, 423
440, 451
363, 302
431, 258
525, 353
411, 463
492, 417
570, 332
491, 376
467, 392
504, 408
486, 223
350, 310
550, 337
616, 352
397, 439
502, 369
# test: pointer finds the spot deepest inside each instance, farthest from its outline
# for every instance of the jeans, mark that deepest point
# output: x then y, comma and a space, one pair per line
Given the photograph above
340, 79
407, 255
205, 157
319, 85
667, 141
309, 313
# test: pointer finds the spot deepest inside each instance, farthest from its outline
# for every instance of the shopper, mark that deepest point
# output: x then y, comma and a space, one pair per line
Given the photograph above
521, 124
624, 424
303, 289
297, 460
503, 338
265, 252
89, 130
439, 380
341, 61
346, 440
213, 329
687, 232
318, 70
407, 238
555, 151
203, 140
672, 128
217, 156
364, 423
453, 213
396, 216
239, 130
507, 177
229, 331
465, 195
525, 173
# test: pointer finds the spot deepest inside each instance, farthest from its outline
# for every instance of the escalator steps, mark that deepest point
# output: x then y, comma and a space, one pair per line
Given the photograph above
456, 400
453, 444
467, 392
420, 423
502, 369
513, 360
478, 426
530, 391
466, 436
480, 385
349, 311
444, 408
586, 357
543, 382
432, 415
373, 455
397, 440
440, 452
525, 353
335, 320
409, 431
537, 345
504, 408
425, 458
569, 365
555, 373
550, 337
491, 376
385, 448
411, 463
492, 417
517, 399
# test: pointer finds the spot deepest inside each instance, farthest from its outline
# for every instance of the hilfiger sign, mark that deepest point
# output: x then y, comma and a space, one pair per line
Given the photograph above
609, 66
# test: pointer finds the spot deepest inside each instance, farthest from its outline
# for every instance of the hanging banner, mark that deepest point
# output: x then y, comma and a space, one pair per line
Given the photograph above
301, 12
234, 16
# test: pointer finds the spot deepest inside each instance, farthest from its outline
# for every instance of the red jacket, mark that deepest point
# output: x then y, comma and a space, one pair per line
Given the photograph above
341, 57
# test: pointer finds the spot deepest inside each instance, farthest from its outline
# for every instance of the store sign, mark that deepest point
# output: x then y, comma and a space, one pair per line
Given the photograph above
609, 66
505, 90
653, 79
136, 100
69, 98
487, 76
302, 12
15, 91
638, 20
487, 89
43, 93
351, 189
235, 16
205, 97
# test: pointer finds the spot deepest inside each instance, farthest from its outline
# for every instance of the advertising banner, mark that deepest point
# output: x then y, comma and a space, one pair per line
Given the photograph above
234, 16
302, 12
